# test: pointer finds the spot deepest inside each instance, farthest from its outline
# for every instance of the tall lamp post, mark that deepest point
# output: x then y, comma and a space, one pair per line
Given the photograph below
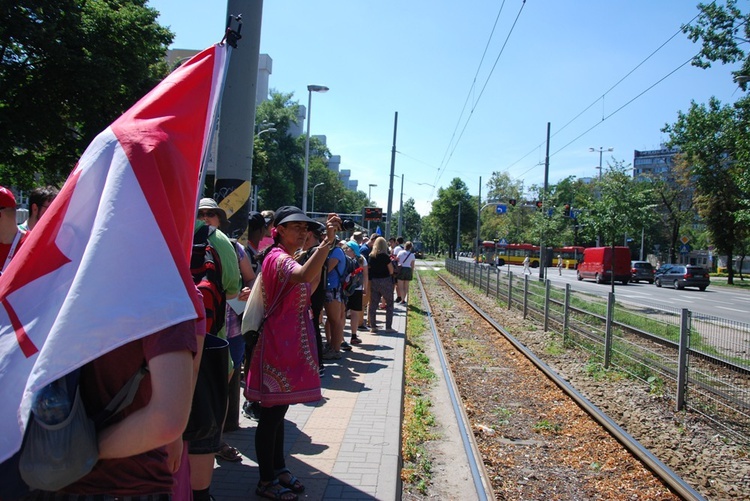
312, 209
310, 90
601, 150
369, 201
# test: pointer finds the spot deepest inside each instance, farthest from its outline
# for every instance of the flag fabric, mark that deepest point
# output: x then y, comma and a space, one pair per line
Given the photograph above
109, 262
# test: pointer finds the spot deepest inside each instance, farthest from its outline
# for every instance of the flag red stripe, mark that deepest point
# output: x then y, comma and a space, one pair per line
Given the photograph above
27, 346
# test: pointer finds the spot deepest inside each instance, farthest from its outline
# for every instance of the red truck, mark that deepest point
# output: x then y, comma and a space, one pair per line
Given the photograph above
597, 264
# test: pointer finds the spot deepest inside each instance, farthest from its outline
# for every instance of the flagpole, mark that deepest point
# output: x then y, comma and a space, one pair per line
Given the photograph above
209, 149
234, 158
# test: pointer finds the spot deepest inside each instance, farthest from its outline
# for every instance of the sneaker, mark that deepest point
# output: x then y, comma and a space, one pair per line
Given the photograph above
332, 355
362, 328
251, 410
356, 340
345, 346
398, 299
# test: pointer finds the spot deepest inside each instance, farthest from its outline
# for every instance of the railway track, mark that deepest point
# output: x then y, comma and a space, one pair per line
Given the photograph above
529, 434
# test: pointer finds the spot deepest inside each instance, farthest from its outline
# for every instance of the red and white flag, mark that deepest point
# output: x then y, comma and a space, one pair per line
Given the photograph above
109, 262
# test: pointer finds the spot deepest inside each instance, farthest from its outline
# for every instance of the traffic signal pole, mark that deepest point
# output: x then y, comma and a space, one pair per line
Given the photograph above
542, 252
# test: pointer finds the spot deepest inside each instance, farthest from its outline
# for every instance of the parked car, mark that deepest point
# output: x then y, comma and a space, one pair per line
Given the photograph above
641, 270
680, 276
597, 264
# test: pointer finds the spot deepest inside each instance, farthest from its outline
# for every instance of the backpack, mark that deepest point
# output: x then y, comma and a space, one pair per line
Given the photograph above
205, 266
351, 279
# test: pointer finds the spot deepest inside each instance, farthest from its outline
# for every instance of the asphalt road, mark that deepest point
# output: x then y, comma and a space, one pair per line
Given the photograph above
724, 302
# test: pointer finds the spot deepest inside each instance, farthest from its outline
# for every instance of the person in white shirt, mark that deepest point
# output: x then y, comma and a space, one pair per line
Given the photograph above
406, 260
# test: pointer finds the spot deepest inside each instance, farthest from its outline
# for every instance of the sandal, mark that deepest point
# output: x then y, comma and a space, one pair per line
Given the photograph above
293, 483
273, 490
229, 453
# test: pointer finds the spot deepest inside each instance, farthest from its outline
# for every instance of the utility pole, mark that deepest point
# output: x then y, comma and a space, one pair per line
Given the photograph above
401, 209
390, 184
542, 253
479, 214
234, 159
458, 230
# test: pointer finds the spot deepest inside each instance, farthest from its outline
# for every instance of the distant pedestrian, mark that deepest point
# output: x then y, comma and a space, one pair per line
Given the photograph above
559, 264
526, 270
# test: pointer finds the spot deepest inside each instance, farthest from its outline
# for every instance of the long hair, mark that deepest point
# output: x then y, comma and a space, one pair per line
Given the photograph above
380, 246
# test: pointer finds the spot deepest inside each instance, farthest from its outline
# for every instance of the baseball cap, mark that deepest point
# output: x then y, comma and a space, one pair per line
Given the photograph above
255, 221
291, 214
353, 246
6, 198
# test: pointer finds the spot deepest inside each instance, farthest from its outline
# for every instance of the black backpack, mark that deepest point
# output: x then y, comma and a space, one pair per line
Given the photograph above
205, 266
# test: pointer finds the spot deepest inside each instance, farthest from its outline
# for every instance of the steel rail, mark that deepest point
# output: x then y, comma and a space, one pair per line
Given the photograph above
670, 478
479, 475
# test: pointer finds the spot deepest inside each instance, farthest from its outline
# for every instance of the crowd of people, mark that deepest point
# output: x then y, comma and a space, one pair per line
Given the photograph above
303, 269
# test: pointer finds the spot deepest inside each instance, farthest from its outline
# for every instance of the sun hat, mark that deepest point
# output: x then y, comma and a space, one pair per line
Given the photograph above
353, 246
291, 214
210, 204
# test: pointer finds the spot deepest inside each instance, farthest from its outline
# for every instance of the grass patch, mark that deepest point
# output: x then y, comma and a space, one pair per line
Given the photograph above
548, 426
418, 417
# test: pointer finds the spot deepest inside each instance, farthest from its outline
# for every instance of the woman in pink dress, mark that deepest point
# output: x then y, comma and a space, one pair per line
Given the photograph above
284, 364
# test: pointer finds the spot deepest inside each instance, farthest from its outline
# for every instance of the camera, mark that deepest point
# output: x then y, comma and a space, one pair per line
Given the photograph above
347, 224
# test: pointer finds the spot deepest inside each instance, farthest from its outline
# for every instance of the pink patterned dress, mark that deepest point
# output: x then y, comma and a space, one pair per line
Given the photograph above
284, 367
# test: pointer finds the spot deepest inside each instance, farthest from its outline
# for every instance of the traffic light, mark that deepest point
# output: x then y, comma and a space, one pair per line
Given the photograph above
512, 202
538, 204
566, 210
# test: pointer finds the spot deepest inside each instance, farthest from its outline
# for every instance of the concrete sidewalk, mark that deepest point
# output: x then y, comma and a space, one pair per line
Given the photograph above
348, 445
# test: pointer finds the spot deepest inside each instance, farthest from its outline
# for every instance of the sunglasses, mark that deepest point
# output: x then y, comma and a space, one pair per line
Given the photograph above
207, 213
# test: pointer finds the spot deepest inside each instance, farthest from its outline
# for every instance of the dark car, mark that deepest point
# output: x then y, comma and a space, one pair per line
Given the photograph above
641, 270
681, 276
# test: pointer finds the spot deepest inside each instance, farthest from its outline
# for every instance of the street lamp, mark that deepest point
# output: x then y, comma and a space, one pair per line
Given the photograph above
600, 150
312, 209
310, 90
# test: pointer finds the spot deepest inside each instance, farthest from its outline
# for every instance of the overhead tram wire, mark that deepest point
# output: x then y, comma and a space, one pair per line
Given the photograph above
535, 148
476, 103
473, 83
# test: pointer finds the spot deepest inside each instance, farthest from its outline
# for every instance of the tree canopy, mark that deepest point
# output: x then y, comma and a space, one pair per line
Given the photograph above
68, 69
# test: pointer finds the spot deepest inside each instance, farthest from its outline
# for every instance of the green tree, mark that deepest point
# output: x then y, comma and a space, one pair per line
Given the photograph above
712, 140
445, 209
412, 221
68, 69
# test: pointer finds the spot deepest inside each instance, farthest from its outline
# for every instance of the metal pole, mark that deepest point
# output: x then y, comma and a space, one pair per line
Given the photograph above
234, 157
307, 153
542, 253
458, 230
390, 183
479, 214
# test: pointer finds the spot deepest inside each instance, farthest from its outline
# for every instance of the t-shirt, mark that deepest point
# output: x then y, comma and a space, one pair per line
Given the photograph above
334, 276
5, 249
146, 473
406, 258
378, 266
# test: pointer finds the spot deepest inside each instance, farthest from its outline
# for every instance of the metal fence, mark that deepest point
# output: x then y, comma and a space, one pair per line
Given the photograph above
700, 361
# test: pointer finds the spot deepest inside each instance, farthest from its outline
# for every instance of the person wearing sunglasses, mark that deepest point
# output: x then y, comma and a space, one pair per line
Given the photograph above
202, 452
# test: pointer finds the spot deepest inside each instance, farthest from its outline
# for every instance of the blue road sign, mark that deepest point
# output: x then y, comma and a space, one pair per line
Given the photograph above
501, 209
684, 249
503, 242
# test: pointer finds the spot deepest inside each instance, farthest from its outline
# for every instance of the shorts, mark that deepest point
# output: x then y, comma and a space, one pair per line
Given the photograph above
210, 445
236, 350
406, 273
334, 295
354, 302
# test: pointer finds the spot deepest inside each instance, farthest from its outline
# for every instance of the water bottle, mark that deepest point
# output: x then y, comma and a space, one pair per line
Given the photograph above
52, 404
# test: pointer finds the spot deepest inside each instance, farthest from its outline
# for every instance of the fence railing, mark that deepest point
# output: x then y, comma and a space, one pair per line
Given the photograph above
700, 361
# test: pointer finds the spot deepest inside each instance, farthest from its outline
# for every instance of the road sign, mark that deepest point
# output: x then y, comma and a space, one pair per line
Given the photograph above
502, 243
684, 239
501, 209
373, 214
684, 249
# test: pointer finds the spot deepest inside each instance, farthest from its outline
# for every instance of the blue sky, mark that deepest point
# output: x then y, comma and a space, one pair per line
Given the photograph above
554, 61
